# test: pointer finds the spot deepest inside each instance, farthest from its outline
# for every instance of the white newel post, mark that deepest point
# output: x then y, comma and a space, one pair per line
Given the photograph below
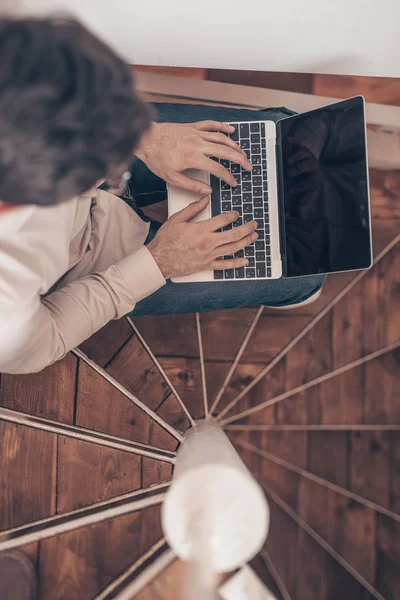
215, 513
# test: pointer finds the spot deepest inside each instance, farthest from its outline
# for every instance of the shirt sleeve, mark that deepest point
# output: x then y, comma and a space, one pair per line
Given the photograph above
70, 315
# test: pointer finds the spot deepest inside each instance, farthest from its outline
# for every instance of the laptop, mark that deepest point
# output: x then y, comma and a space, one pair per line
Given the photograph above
308, 191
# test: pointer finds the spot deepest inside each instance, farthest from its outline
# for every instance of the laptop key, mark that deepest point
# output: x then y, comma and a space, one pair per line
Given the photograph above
248, 154
225, 163
257, 191
254, 127
247, 218
250, 273
257, 180
263, 143
247, 197
268, 261
267, 239
258, 203
264, 165
246, 175
259, 244
255, 149
245, 144
225, 186
237, 201
218, 274
260, 269
244, 130
256, 170
255, 138
235, 134
226, 206
251, 260
260, 257
265, 186
247, 209
237, 190
268, 250
239, 254
256, 159
258, 213
226, 196
235, 168
249, 251
239, 273
264, 153
269, 272
229, 274
238, 223
246, 186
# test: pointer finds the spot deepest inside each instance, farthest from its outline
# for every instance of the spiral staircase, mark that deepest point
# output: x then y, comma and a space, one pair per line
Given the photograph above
310, 399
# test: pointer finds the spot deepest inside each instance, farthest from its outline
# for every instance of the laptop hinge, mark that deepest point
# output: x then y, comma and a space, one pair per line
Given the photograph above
281, 203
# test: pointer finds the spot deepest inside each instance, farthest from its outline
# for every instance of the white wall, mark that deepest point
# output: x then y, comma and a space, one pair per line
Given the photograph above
358, 37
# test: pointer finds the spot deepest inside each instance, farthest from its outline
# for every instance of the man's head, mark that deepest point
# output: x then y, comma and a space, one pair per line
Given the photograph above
68, 113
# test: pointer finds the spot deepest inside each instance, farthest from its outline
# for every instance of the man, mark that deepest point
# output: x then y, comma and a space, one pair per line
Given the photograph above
73, 254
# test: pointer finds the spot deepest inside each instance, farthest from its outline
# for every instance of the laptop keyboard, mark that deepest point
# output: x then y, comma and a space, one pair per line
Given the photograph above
249, 198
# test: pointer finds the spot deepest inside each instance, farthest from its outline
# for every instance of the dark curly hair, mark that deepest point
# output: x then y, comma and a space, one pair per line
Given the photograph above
69, 115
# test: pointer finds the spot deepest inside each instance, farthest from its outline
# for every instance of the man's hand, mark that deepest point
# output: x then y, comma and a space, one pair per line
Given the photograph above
182, 248
168, 149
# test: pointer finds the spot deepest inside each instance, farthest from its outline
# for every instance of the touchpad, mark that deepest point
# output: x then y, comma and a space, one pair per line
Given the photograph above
178, 198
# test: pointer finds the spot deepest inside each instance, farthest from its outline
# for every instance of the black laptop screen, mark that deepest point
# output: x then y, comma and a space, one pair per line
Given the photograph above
324, 187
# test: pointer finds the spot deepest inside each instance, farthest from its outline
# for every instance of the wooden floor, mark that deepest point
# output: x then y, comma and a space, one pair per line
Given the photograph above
343, 484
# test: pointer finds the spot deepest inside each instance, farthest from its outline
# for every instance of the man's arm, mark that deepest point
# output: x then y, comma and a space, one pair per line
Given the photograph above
73, 313
64, 319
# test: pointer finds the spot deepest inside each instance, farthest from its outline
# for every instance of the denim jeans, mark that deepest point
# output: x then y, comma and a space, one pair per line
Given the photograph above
179, 298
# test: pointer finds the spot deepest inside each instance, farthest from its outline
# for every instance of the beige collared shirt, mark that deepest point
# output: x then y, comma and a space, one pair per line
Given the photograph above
65, 271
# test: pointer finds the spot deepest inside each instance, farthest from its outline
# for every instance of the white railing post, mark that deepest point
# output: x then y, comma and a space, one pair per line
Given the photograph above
215, 512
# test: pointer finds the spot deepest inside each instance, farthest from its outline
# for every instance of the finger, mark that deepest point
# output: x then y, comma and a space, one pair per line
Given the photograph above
236, 246
220, 221
221, 139
193, 185
224, 152
236, 233
215, 168
229, 263
213, 126
189, 212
